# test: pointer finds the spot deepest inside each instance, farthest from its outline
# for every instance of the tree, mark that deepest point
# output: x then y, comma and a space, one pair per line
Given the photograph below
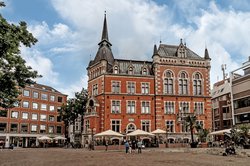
14, 74
191, 122
74, 108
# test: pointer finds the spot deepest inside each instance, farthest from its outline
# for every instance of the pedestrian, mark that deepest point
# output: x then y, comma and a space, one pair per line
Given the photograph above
133, 146
139, 146
127, 146
106, 145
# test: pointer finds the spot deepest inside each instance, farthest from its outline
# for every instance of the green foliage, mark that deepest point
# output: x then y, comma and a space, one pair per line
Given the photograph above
14, 74
74, 107
202, 134
191, 122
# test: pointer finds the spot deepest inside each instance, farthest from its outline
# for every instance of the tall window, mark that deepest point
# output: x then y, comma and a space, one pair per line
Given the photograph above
51, 129
33, 128
116, 107
169, 107
34, 116
51, 118
145, 125
42, 129
197, 83
184, 107
116, 87
170, 125
44, 107
145, 88
184, 127
183, 83
145, 108
25, 115
52, 98
87, 125
58, 129
14, 127
130, 70
130, 107
35, 106
95, 89
199, 108
24, 128
52, 108
168, 82
130, 87
42, 117
116, 70
116, 125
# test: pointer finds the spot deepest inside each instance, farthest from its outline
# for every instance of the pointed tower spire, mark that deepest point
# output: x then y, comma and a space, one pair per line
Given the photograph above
206, 54
105, 29
155, 53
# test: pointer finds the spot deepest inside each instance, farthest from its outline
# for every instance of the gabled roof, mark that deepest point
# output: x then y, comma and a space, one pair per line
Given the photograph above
171, 51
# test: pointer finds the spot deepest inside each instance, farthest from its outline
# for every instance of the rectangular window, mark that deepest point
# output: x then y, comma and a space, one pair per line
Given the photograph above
170, 126
130, 87
184, 107
35, 95
44, 96
42, 129
115, 125
26, 93
33, 128
200, 123
52, 98
59, 99
169, 107
24, 128
42, 117
3, 127
25, 104
14, 114
44, 107
51, 129
130, 107
95, 89
116, 87
199, 108
58, 118
58, 109
145, 125
52, 108
14, 127
58, 129
4, 113
51, 118
25, 115
35, 106
87, 125
115, 107
184, 127
145, 107
145, 88
34, 117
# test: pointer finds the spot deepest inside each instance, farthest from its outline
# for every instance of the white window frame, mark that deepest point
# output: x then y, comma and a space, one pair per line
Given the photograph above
145, 107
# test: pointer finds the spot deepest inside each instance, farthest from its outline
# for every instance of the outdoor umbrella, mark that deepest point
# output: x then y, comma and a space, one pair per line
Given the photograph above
59, 138
108, 133
158, 131
139, 132
42, 138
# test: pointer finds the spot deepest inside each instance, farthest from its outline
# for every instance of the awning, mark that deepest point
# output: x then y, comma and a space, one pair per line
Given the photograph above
220, 132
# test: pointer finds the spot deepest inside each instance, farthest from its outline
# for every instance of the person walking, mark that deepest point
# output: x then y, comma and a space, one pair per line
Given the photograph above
126, 146
106, 145
139, 146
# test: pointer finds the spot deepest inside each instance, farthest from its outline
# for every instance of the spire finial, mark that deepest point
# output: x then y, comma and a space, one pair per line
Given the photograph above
181, 40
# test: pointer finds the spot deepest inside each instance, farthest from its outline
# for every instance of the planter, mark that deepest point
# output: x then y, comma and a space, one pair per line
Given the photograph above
204, 145
247, 146
193, 144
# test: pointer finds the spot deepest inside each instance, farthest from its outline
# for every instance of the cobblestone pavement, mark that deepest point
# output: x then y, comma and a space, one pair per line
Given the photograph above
156, 157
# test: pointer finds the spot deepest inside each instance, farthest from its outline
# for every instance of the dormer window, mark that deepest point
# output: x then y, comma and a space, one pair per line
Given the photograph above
116, 70
130, 70
144, 71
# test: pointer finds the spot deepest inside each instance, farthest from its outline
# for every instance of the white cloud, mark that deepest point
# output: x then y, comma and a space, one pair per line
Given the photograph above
40, 63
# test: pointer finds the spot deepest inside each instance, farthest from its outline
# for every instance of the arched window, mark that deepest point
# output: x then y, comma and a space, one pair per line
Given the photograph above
183, 83
115, 70
168, 82
131, 127
130, 70
144, 71
197, 84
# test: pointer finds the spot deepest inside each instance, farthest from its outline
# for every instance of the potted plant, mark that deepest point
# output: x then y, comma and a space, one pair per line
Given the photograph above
202, 134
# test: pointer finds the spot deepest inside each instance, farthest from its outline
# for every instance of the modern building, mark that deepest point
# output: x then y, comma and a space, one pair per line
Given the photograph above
127, 94
241, 94
34, 116
221, 105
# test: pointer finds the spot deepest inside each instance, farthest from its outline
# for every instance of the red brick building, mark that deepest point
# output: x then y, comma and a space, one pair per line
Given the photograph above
126, 95
34, 116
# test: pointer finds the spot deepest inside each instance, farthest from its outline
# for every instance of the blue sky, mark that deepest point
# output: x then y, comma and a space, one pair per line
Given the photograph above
69, 31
